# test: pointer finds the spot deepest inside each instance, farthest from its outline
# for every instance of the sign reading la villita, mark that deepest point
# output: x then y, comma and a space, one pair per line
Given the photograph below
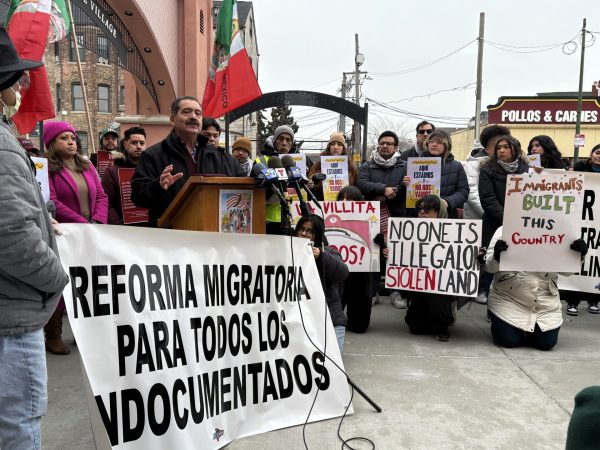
433, 255
196, 347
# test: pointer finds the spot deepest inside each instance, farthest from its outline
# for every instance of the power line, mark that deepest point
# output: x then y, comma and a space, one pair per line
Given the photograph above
418, 115
568, 47
424, 66
458, 88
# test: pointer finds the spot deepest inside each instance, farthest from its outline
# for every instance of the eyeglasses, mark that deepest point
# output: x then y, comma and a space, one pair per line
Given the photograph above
389, 144
426, 131
303, 230
425, 209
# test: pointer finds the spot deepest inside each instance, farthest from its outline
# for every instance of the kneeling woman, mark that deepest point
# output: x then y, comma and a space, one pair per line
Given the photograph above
430, 313
525, 306
332, 271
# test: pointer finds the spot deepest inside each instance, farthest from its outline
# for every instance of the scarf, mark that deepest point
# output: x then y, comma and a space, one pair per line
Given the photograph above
509, 167
378, 159
247, 166
595, 169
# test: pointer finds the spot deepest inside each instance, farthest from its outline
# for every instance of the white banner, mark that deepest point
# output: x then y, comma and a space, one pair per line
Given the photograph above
350, 227
41, 175
433, 255
542, 218
588, 277
191, 340
336, 169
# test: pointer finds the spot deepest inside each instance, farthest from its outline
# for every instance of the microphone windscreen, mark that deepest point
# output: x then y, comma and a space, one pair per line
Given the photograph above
256, 169
288, 161
275, 162
318, 177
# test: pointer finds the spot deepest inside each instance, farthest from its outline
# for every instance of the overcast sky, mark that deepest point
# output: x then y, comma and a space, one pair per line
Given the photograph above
307, 44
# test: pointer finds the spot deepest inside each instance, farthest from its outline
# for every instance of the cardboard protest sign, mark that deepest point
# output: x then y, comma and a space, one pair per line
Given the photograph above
105, 160
542, 217
587, 278
41, 175
184, 336
433, 255
425, 179
350, 227
336, 170
131, 213
300, 160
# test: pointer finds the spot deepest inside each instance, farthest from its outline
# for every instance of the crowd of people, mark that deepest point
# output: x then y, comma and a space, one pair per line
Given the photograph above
524, 308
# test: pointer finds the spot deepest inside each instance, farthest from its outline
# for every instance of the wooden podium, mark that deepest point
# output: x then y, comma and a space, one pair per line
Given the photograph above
197, 205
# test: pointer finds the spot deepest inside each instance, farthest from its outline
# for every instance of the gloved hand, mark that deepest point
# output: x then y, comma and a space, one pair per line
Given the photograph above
579, 245
379, 240
481, 255
500, 247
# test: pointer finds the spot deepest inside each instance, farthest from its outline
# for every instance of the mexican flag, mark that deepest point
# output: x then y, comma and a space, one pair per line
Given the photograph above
231, 81
31, 25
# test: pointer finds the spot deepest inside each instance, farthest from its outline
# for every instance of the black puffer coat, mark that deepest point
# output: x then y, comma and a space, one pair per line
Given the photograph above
492, 190
145, 185
373, 179
333, 273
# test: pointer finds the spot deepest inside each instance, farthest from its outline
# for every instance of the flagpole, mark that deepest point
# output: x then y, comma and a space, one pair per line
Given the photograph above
91, 133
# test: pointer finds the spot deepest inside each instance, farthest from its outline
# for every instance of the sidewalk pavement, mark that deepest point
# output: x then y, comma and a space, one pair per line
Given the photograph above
463, 394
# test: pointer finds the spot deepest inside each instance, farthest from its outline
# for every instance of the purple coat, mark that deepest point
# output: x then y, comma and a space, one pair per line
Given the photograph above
65, 195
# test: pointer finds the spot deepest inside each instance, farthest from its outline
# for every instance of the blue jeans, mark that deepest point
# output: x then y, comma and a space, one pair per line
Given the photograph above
23, 390
340, 334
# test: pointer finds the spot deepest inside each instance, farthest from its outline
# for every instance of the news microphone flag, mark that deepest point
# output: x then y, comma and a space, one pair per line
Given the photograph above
31, 25
231, 80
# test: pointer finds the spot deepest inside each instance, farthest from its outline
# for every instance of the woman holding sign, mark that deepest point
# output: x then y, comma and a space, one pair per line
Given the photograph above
544, 146
77, 193
506, 159
525, 306
430, 313
335, 147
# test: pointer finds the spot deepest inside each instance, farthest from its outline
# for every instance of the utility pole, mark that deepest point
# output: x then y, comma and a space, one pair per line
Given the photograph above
479, 75
359, 59
342, 124
580, 94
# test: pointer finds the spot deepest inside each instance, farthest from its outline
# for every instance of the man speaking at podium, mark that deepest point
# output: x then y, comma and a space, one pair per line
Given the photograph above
164, 167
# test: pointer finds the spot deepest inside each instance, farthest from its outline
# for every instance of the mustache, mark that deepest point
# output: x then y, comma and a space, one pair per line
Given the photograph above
192, 121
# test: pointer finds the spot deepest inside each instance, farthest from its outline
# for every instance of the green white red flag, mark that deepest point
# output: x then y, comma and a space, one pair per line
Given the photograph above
31, 24
231, 80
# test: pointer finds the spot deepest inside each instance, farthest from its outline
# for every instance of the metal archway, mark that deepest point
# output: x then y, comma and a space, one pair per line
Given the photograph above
304, 98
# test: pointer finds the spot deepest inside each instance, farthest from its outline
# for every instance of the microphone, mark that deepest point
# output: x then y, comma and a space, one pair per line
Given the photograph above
318, 178
267, 179
294, 174
289, 163
51, 208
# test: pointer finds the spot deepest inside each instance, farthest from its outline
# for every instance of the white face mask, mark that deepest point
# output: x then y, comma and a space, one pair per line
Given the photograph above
10, 111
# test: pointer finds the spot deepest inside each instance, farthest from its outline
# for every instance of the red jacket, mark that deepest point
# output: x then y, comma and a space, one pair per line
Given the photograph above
65, 195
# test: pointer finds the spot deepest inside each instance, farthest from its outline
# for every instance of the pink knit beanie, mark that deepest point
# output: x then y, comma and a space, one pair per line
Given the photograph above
53, 129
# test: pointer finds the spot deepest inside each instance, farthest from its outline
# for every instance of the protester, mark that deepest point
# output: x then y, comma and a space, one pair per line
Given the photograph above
242, 151
332, 271
164, 167
281, 143
109, 142
525, 306
78, 196
132, 146
591, 164
359, 287
380, 178
335, 147
430, 313
31, 275
544, 146
472, 208
506, 160
424, 129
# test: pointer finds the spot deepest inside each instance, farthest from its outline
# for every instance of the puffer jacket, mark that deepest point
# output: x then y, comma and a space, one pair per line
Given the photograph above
523, 299
454, 185
333, 273
373, 179
473, 208
31, 275
492, 190
411, 152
